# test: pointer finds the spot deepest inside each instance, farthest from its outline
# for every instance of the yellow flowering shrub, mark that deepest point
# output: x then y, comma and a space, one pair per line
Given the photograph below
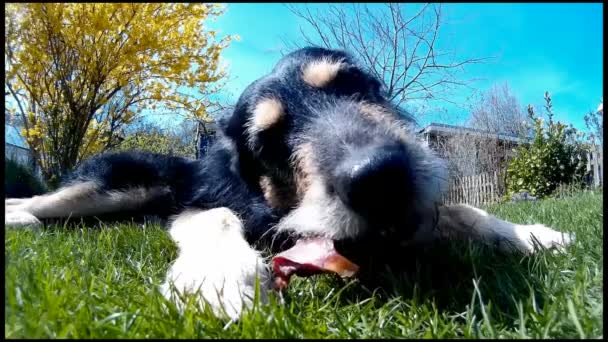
78, 73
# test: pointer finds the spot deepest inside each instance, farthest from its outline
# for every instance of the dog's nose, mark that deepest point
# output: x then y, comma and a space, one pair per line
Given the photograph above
375, 181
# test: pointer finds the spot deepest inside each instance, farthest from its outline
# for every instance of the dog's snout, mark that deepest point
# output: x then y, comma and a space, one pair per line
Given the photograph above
374, 181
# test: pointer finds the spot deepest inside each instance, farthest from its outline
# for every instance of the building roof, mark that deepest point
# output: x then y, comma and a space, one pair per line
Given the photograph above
444, 128
13, 137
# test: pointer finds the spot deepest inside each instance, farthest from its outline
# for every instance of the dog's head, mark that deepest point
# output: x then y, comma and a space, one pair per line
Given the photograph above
331, 153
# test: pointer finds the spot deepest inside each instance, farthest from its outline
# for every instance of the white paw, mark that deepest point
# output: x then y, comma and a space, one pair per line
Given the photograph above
14, 201
531, 236
20, 219
215, 258
226, 294
16, 204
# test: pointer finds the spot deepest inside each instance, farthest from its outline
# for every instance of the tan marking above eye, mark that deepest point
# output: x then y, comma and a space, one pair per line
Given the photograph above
373, 111
320, 72
384, 117
266, 113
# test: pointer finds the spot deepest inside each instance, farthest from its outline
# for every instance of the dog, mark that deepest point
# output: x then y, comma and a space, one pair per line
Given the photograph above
313, 161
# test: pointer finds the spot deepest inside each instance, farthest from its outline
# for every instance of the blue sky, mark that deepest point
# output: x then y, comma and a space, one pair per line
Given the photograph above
538, 47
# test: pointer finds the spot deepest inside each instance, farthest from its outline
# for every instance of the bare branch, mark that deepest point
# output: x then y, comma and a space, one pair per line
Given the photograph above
399, 50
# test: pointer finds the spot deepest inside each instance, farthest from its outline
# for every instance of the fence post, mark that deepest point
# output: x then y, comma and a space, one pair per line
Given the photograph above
486, 188
474, 189
497, 189
492, 187
588, 168
466, 190
486, 177
449, 195
478, 190
482, 191
600, 158
596, 173
482, 187
598, 177
469, 190
460, 189
490, 180
452, 188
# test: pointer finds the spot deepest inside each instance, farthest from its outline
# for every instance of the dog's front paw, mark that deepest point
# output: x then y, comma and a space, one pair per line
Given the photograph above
14, 201
215, 262
531, 237
20, 219
226, 296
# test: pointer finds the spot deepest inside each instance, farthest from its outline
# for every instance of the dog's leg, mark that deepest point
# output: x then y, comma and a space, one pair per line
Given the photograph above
462, 221
76, 200
215, 259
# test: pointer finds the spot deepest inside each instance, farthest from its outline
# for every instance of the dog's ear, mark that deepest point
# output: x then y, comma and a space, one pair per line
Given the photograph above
222, 123
229, 134
222, 133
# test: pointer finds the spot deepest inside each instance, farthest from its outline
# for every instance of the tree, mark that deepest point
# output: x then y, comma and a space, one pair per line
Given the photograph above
595, 124
401, 50
497, 115
461, 153
78, 73
499, 111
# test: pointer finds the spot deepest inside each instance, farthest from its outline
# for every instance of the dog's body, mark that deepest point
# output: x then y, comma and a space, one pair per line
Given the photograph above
312, 150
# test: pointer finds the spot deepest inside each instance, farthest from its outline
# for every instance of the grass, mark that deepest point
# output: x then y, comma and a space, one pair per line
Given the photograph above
101, 283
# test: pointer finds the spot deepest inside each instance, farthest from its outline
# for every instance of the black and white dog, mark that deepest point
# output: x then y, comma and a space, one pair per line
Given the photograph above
314, 155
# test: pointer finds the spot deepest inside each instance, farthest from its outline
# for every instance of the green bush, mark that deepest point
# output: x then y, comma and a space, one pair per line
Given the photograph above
154, 139
554, 157
19, 181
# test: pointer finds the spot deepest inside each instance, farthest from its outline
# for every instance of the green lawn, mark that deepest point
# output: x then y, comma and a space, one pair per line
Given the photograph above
93, 283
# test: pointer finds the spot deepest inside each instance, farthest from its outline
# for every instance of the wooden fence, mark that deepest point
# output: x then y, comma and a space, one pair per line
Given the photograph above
595, 167
488, 188
475, 190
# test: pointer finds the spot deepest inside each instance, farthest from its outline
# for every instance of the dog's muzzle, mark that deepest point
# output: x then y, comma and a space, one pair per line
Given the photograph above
376, 184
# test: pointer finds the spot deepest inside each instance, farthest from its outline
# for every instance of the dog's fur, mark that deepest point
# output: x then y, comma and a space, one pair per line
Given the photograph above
282, 167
